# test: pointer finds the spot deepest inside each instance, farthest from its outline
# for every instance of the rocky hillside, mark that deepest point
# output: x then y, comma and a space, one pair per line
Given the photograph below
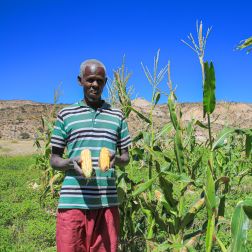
20, 119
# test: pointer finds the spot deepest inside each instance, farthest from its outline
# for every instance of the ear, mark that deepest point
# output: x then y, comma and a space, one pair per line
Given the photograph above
79, 80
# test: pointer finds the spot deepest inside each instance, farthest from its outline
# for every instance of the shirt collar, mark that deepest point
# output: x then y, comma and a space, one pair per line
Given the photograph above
105, 105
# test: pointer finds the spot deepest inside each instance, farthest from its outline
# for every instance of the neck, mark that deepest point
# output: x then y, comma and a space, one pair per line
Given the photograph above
93, 103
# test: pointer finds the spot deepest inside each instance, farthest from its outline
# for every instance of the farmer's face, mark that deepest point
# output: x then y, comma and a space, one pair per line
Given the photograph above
93, 81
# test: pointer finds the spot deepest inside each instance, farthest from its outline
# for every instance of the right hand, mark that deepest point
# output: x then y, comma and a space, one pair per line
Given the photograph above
76, 165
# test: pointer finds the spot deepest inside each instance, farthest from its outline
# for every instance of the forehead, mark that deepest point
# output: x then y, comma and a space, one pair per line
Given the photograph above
94, 69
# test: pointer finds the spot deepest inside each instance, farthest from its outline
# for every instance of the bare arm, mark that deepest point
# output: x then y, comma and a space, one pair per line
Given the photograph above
121, 160
61, 164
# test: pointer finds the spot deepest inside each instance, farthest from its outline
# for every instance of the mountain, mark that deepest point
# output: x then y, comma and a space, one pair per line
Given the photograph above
20, 119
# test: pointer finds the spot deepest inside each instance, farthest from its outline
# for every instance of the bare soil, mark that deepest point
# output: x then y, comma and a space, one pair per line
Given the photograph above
17, 147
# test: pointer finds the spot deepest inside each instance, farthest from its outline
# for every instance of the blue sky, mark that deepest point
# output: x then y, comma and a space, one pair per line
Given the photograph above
43, 43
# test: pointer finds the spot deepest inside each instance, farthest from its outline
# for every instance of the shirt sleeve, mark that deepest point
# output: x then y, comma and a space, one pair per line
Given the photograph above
124, 139
58, 138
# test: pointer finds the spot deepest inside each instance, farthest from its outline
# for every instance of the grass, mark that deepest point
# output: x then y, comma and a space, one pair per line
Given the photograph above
24, 225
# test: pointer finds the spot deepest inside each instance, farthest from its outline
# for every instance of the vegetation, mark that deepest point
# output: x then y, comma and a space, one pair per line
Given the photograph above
24, 225
177, 194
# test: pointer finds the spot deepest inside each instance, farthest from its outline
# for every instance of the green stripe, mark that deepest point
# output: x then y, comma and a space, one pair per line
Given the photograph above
90, 182
102, 200
94, 142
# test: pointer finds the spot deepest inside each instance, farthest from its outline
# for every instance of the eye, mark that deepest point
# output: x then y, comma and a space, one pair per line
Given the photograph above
100, 82
90, 80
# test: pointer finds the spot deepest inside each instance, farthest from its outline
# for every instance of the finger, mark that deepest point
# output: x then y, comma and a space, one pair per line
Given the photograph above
112, 163
77, 168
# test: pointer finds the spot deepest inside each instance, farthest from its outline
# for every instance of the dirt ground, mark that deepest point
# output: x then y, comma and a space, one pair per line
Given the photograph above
17, 147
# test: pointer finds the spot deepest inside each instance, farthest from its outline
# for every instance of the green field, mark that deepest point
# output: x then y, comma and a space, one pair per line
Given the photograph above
27, 226
24, 225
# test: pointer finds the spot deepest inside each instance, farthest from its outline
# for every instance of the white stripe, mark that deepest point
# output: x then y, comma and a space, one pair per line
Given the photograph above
69, 108
66, 110
93, 138
97, 168
91, 148
77, 114
123, 139
58, 137
94, 129
113, 115
56, 145
92, 178
87, 191
87, 196
58, 128
93, 205
58, 141
60, 120
106, 121
94, 134
89, 187
123, 130
80, 121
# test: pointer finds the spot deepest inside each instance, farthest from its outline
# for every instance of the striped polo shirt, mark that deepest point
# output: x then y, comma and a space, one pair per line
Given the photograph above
78, 127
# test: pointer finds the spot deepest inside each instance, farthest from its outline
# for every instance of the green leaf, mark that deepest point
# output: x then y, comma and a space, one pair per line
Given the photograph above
209, 89
138, 137
150, 222
165, 130
156, 98
223, 249
167, 188
189, 216
172, 110
239, 228
210, 193
140, 115
221, 138
143, 187
201, 124
248, 145
247, 207
178, 149
210, 232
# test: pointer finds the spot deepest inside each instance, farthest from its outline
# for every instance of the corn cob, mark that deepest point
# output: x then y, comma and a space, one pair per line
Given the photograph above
104, 159
86, 163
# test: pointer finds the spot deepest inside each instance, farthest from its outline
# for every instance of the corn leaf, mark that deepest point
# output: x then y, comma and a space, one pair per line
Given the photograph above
172, 110
210, 232
156, 98
210, 193
247, 207
140, 115
201, 124
248, 145
209, 89
189, 217
223, 249
167, 188
150, 221
221, 138
239, 228
143, 187
165, 130
178, 149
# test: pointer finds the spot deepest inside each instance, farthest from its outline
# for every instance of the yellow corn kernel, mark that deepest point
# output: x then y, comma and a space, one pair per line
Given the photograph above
104, 159
86, 163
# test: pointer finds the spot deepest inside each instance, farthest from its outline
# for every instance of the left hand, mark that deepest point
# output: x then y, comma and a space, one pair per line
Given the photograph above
112, 159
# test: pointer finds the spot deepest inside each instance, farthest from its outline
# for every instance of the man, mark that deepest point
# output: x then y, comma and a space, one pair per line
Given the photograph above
88, 216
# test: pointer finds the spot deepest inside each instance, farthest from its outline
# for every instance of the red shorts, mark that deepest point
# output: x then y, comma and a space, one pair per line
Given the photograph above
87, 230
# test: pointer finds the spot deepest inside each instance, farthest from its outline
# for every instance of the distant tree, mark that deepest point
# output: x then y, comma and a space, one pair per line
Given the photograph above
247, 43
